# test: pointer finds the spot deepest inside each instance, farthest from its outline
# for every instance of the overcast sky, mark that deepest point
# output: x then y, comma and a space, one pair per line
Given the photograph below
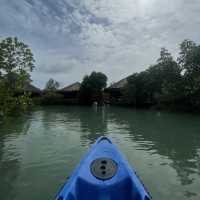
71, 38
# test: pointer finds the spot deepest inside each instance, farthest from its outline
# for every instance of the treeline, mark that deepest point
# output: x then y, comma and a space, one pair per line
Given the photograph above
16, 63
169, 83
91, 90
50, 95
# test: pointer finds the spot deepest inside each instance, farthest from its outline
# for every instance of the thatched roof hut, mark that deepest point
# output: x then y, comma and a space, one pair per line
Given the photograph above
71, 92
114, 93
32, 89
118, 85
75, 87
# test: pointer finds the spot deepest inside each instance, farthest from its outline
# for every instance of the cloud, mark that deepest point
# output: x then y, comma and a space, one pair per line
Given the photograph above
56, 63
70, 38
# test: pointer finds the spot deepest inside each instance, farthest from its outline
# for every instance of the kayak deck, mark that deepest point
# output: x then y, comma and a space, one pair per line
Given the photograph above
103, 174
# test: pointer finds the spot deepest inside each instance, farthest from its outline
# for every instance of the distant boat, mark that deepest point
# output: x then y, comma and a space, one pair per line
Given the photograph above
103, 174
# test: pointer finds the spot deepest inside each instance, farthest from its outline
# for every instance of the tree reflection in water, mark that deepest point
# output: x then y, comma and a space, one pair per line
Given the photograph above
175, 136
10, 129
45, 146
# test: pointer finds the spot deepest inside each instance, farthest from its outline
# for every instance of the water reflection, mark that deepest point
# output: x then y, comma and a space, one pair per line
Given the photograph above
45, 146
93, 124
171, 135
9, 159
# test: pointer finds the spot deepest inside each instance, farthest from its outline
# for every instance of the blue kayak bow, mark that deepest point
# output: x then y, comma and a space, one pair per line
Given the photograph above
103, 174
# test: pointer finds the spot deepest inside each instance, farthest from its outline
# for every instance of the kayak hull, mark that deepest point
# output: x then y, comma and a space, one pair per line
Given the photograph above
118, 180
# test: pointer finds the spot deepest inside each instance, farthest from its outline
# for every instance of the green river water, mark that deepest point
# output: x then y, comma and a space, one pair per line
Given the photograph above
39, 151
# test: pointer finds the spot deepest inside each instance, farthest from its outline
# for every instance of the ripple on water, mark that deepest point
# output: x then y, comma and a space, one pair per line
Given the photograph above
39, 151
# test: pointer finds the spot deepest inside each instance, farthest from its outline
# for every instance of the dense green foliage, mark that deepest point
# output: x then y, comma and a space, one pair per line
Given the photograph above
91, 88
51, 98
50, 95
16, 62
171, 83
168, 83
51, 85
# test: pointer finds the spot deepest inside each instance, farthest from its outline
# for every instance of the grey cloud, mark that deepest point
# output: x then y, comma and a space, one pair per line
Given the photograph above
55, 68
54, 9
73, 37
55, 63
99, 21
